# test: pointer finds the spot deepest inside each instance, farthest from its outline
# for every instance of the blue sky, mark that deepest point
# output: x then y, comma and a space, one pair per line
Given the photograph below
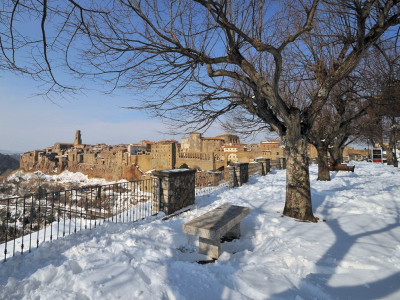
31, 122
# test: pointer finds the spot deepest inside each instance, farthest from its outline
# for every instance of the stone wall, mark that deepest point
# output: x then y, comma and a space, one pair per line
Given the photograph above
196, 160
143, 161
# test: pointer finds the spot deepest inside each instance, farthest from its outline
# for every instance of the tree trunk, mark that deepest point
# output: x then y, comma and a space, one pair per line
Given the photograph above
323, 168
298, 196
336, 153
389, 157
341, 149
392, 148
389, 154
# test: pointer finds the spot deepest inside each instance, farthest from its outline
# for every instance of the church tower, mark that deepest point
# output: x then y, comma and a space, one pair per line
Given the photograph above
78, 138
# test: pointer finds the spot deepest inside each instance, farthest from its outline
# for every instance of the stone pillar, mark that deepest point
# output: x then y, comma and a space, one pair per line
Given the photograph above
260, 168
278, 164
239, 173
266, 165
233, 181
282, 162
155, 206
176, 189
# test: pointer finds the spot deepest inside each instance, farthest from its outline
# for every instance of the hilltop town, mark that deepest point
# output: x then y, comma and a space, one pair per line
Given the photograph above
133, 161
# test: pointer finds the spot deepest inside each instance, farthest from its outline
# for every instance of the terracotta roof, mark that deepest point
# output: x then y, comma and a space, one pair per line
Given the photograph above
148, 142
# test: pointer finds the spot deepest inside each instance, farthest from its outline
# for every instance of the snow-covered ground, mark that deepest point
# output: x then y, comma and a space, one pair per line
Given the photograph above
353, 254
64, 177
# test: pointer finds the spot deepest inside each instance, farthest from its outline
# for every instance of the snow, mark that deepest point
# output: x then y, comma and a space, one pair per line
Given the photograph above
352, 253
176, 170
64, 177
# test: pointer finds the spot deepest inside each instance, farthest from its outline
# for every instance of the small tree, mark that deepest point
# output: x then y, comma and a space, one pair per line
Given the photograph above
184, 166
347, 104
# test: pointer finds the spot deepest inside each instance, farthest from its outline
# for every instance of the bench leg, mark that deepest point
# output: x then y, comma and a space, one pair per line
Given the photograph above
234, 233
209, 247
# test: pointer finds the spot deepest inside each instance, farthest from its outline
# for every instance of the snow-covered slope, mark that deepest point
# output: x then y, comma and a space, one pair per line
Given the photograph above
64, 177
353, 254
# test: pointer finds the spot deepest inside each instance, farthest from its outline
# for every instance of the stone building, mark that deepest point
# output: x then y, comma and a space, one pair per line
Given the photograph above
205, 153
195, 142
349, 153
109, 162
199, 160
164, 154
134, 161
272, 149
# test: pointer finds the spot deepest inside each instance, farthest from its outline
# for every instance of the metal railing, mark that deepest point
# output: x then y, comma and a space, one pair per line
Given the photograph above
209, 182
255, 168
26, 222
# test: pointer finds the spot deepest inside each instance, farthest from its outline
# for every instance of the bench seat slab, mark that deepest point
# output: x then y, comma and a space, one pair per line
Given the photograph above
217, 222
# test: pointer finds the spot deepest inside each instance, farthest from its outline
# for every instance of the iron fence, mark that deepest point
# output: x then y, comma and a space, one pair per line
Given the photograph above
26, 222
255, 168
208, 182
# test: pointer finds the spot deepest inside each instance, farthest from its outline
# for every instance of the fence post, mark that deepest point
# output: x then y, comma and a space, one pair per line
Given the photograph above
177, 189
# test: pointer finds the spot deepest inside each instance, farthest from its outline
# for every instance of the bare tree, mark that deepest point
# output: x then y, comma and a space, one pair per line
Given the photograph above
389, 102
348, 135
383, 122
196, 57
347, 103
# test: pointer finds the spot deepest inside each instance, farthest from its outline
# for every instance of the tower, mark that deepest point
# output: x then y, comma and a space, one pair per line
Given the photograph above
78, 138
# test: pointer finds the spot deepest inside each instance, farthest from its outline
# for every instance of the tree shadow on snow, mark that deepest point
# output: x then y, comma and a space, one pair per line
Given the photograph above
316, 284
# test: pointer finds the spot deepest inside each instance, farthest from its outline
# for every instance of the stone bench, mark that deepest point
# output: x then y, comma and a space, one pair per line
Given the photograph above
222, 222
341, 167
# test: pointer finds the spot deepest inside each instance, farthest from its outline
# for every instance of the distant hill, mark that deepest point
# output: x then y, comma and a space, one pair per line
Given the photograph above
8, 162
14, 154
2, 151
